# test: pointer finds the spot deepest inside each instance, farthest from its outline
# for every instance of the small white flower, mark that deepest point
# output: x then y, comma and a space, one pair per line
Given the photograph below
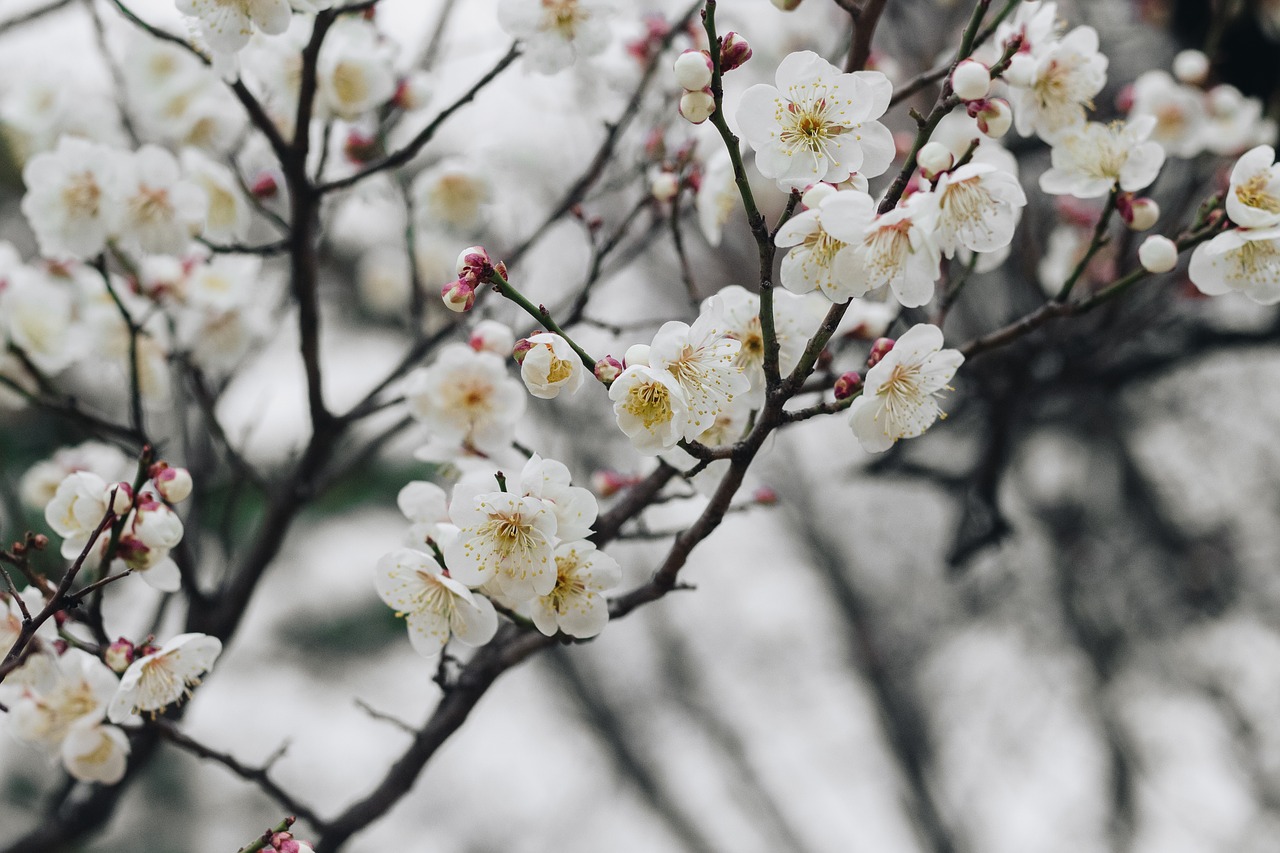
703, 362
650, 407
1240, 261
898, 399
95, 753
225, 283
467, 397
155, 681
427, 506
1253, 197
79, 695
38, 316
550, 366
575, 508
811, 263
556, 32
1060, 83
977, 208
228, 216
78, 507
70, 201
896, 249
1090, 160
228, 24
817, 124
1181, 121
492, 336
354, 73
1235, 121
453, 192
433, 604
575, 605
502, 537
160, 211
717, 197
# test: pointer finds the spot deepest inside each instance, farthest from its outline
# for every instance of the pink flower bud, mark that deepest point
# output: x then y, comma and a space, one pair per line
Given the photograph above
119, 655
458, 295
173, 484
934, 158
360, 147
607, 482
994, 118
848, 384
879, 350
1125, 98
60, 646
521, 349
697, 107
693, 70
1143, 214
734, 51
264, 186
607, 369
765, 496
475, 265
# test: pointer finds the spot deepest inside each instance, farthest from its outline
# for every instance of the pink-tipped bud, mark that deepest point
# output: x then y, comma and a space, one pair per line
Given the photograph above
521, 349
120, 497
492, 336
697, 107
934, 158
412, 92
264, 186
119, 655
734, 52
879, 350
173, 484
1142, 214
848, 384
474, 265
664, 185
607, 482
360, 147
607, 369
765, 496
1125, 98
994, 117
459, 295
60, 646
693, 70
971, 80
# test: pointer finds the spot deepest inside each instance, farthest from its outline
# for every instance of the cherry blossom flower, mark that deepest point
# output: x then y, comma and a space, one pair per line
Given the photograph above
1253, 196
155, 681
556, 32
71, 202
1240, 261
1090, 160
467, 397
550, 366
575, 605
811, 263
504, 538
227, 25
897, 250
702, 360
433, 604
817, 124
977, 208
650, 407
898, 399
1051, 88
95, 753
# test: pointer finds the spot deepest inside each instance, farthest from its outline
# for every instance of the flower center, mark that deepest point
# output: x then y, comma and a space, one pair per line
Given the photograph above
887, 248
650, 402
563, 16
349, 83
902, 392
1256, 261
568, 585
559, 371
82, 194
806, 127
1254, 193
510, 532
150, 205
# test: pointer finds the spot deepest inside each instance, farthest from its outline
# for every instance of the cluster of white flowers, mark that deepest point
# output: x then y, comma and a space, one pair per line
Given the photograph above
520, 543
1246, 258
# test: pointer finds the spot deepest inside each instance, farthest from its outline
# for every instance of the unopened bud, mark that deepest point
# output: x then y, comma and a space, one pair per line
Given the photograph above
697, 107
734, 52
607, 482
492, 336
1143, 214
934, 159
264, 186
636, 354
60, 646
607, 369
693, 70
994, 117
1191, 67
848, 385
360, 147
1158, 254
474, 264
120, 497
173, 484
971, 80
119, 655
39, 541
521, 349
664, 185
879, 350
765, 496
458, 295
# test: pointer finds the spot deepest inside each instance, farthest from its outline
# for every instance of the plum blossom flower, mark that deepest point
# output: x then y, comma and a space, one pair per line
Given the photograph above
504, 538
227, 212
354, 73
38, 316
160, 210
811, 263
227, 25
550, 366
433, 604
81, 689
467, 397
701, 358
556, 32
898, 399
1179, 111
575, 508
81, 502
70, 201
1090, 160
977, 208
1240, 261
95, 753
165, 676
817, 124
1055, 85
575, 605
897, 249
650, 407
1253, 196
427, 506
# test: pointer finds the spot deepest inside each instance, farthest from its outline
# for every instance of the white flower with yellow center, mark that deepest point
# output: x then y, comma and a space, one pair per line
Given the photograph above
502, 537
95, 753
575, 508
717, 196
977, 207
79, 506
155, 681
1253, 197
897, 249
1091, 159
354, 73
898, 399
433, 604
817, 124
452, 192
650, 407
160, 210
38, 317
575, 605
227, 25
550, 366
1239, 261
1182, 125
1051, 88
811, 263
228, 216
70, 202
467, 397
556, 32
703, 361
81, 689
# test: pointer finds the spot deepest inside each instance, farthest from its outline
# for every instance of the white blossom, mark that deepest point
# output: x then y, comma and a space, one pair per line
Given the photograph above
575, 604
467, 397
354, 73
899, 396
160, 211
504, 538
1050, 95
550, 366
650, 407
811, 234
227, 211
1240, 261
701, 359
95, 753
556, 32
82, 688
157, 680
1181, 126
1090, 160
897, 249
71, 202
227, 25
977, 208
1253, 196
574, 507
427, 506
38, 317
433, 604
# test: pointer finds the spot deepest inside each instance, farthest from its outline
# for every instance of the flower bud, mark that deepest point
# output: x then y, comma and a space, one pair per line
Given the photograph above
764, 496
697, 107
607, 482
1158, 254
879, 350
1142, 214
492, 336
458, 295
173, 484
815, 193
995, 118
971, 80
412, 92
119, 497
636, 354
1191, 67
734, 52
521, 349
848, 384
119, 655
264, 186
607, 369
664, 185
360, 147
787, 5
693, 70
934, 158
474, 264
